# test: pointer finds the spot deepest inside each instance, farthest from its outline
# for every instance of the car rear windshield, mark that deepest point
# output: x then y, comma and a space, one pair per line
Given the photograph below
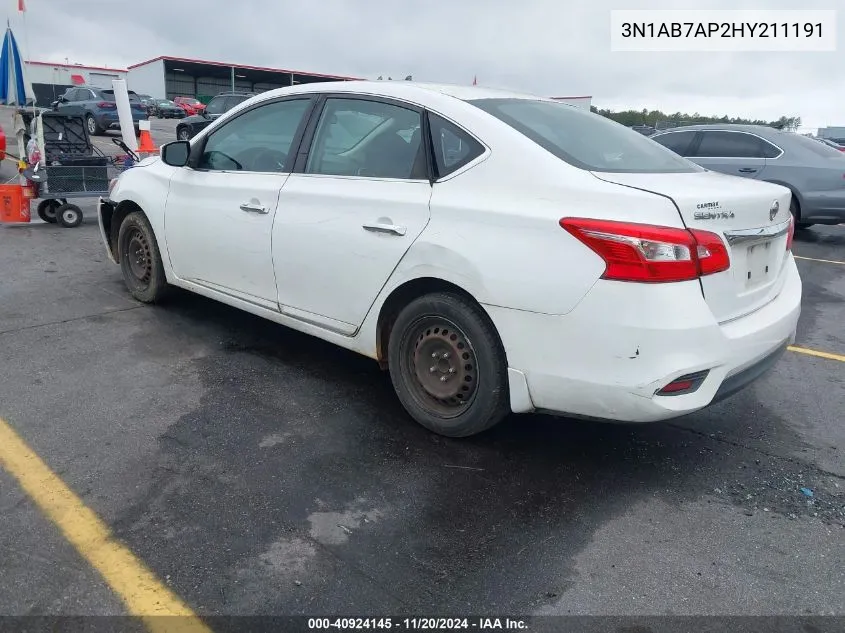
817, 148
583, 139
108, 95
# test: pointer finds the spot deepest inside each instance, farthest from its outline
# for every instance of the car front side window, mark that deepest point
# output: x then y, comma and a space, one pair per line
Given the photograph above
360, 137
258, 140
678, 142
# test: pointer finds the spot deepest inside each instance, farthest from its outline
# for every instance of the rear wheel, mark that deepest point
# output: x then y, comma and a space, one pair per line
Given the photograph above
140, 260
47, 210
796, 213
447, 365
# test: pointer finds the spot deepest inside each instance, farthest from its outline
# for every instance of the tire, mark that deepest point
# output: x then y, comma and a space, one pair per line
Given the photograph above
796, 213
447, 323
69, 216
47, 210
183, 134
140, 259
94, 128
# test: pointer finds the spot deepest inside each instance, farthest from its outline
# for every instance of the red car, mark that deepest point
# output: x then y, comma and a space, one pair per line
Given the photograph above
191, 105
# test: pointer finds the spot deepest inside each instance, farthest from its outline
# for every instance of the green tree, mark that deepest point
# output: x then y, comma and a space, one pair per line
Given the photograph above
653, 117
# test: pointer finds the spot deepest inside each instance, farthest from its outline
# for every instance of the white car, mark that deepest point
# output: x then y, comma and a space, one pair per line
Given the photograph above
496, 252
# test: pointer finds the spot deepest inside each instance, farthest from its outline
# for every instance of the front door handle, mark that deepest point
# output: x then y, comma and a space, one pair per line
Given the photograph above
386, 228
747, 170
253, 207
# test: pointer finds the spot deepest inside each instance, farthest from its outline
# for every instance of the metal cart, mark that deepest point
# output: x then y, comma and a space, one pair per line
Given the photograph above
69, 166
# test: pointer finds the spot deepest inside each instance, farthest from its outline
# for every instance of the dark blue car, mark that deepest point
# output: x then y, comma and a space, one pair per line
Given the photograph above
100, 107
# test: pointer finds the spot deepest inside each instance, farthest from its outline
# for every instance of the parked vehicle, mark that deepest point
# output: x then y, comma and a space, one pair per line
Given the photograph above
166, 109
100, 107
645, 130
149, 105
814, 172
219, 105
495, 252
832, 144
191, 105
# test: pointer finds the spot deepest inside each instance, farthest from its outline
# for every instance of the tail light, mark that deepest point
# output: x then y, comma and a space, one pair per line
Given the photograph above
649, 253
790, 233
107, 105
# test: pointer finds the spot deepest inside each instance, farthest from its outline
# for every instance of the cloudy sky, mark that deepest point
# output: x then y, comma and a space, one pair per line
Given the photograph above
550, 47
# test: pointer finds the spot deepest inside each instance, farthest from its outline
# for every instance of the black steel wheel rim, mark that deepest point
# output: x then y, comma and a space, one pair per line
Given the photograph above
441, 366
138, 256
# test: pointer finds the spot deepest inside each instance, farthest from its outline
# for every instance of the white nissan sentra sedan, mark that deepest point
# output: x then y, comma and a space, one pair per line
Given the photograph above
495, 252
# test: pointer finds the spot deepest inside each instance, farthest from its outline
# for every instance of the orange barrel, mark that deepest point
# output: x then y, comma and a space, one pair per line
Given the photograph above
14, 202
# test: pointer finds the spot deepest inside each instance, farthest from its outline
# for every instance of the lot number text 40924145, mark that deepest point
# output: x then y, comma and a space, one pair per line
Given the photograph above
419, 624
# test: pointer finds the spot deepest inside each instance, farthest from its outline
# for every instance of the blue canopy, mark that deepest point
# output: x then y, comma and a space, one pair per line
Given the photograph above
13, 87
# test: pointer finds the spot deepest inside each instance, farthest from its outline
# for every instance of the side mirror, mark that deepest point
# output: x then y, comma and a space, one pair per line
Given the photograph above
176, 153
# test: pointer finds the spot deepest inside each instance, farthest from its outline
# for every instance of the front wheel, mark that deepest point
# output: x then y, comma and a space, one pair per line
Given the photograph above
94, 128
182, 134
140, 260
69, 216
448, 366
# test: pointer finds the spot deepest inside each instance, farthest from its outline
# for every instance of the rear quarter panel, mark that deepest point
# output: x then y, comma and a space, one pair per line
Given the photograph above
494, 231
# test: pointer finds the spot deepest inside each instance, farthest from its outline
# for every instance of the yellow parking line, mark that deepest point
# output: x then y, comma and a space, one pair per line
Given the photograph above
812, 352
142, 593
824, 261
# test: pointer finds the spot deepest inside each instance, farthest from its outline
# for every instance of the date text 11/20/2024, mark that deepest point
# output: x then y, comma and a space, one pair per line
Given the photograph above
419, 624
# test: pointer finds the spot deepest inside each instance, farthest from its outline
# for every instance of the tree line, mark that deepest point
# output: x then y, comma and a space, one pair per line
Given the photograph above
652, 117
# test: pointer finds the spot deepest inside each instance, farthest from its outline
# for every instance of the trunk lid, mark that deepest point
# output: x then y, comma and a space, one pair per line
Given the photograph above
742, 212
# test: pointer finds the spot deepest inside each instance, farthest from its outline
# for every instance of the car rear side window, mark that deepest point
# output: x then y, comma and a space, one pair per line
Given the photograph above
367, 138
583, 139
678, 142
724, 144
453, 147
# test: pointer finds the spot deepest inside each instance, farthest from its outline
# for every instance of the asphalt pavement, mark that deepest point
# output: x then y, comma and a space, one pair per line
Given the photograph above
256, 470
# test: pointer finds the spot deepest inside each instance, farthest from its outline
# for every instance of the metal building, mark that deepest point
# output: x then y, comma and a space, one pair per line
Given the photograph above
169, 77
50, 80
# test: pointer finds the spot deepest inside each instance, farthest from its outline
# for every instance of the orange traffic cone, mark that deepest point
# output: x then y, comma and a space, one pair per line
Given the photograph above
146, 140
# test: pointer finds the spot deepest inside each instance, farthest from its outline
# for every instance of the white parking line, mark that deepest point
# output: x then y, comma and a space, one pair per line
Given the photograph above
824, 261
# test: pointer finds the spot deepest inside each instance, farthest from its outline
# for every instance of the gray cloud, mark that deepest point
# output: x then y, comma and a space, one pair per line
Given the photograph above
541, 46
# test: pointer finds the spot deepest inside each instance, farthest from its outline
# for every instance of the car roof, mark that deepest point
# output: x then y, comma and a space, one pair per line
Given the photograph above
409, 90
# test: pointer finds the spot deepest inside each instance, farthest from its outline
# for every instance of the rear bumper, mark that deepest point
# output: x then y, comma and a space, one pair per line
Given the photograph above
111, 119
608, 358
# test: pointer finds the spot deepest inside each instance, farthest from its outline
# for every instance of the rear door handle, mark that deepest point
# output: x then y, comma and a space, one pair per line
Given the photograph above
385, 228
747, 170
251, 207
